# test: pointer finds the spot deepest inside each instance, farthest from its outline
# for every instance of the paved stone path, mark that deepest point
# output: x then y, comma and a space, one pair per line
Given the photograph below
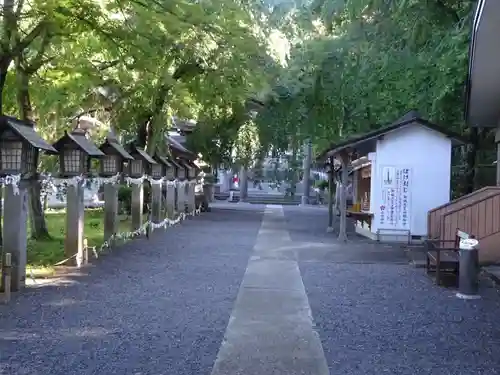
253, 291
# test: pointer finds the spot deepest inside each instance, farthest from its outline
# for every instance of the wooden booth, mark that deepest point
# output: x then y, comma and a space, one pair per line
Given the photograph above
398, 173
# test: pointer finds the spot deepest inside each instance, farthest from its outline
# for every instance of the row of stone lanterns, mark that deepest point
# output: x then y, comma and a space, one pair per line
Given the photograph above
19, 151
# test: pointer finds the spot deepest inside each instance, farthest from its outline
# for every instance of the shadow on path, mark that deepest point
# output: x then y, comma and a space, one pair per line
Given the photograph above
151, 307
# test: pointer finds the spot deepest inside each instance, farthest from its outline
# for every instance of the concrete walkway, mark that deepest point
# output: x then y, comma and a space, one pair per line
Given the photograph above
250, 290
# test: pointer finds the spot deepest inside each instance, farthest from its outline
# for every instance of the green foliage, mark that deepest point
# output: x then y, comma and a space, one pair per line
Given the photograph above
362, 64
125, 198
132, 64
321, 184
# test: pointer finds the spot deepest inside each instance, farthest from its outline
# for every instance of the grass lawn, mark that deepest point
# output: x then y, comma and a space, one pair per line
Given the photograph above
43, 254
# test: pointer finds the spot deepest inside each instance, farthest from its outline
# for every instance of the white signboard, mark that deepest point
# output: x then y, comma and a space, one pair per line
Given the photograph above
395, 211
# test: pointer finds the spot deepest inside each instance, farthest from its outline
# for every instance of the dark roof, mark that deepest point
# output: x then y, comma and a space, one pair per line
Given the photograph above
120, 150
176, 145
162, 160
184, 125
174, 163
369, 139
78, 136
26, 131
181, 162
191, 164
482, 89
138, 153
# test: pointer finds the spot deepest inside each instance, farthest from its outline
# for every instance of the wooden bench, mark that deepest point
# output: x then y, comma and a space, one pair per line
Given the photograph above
442, 255
363, 216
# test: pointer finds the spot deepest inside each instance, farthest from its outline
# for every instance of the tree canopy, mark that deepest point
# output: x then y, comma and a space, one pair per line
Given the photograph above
359, 64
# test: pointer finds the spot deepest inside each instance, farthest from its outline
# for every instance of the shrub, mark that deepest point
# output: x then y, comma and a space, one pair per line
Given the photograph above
322, 184
125, 198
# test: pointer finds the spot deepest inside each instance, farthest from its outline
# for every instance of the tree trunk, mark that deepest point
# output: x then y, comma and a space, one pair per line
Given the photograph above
4, 70
38, 224
470, 172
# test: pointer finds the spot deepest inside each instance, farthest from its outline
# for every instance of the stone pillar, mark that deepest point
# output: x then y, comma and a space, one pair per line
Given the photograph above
137, 205
110, 210
170, 200
15, 232
331, 184
243, 184
191, 196
73, 243
156, 202
207, 196
306, 166
181, 200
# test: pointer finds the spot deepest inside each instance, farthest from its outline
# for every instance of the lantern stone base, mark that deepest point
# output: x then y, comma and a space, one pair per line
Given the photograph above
15, 233
110, 210
191, 203
137, 205
181, 198
73, 243
156, 203
170, 201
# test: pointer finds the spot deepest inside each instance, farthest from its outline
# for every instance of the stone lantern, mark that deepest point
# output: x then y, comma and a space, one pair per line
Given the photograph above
112, 163
75, 151
115, 157
170, 175
181, 169
19, 149
162, 168
140, 166
142, 163
158, 171
192, 171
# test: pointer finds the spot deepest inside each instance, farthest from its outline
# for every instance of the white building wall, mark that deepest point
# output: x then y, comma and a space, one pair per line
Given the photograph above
428, 154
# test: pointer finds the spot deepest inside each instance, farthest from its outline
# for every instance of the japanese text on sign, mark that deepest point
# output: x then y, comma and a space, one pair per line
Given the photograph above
395, 206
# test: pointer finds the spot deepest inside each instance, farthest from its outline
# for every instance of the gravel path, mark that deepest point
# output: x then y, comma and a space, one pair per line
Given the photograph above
381, 316
153, 307
162, 306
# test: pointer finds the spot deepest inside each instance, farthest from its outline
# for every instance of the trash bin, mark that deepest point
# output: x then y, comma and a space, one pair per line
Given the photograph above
468, 283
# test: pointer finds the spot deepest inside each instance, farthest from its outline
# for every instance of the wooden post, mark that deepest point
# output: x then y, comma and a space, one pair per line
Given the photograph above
73, 243
170, 200
85, 251
156, 202
344, 159
110, 210
7, 276
497, 141
137, 205
355, 182
329, 229
15, 238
